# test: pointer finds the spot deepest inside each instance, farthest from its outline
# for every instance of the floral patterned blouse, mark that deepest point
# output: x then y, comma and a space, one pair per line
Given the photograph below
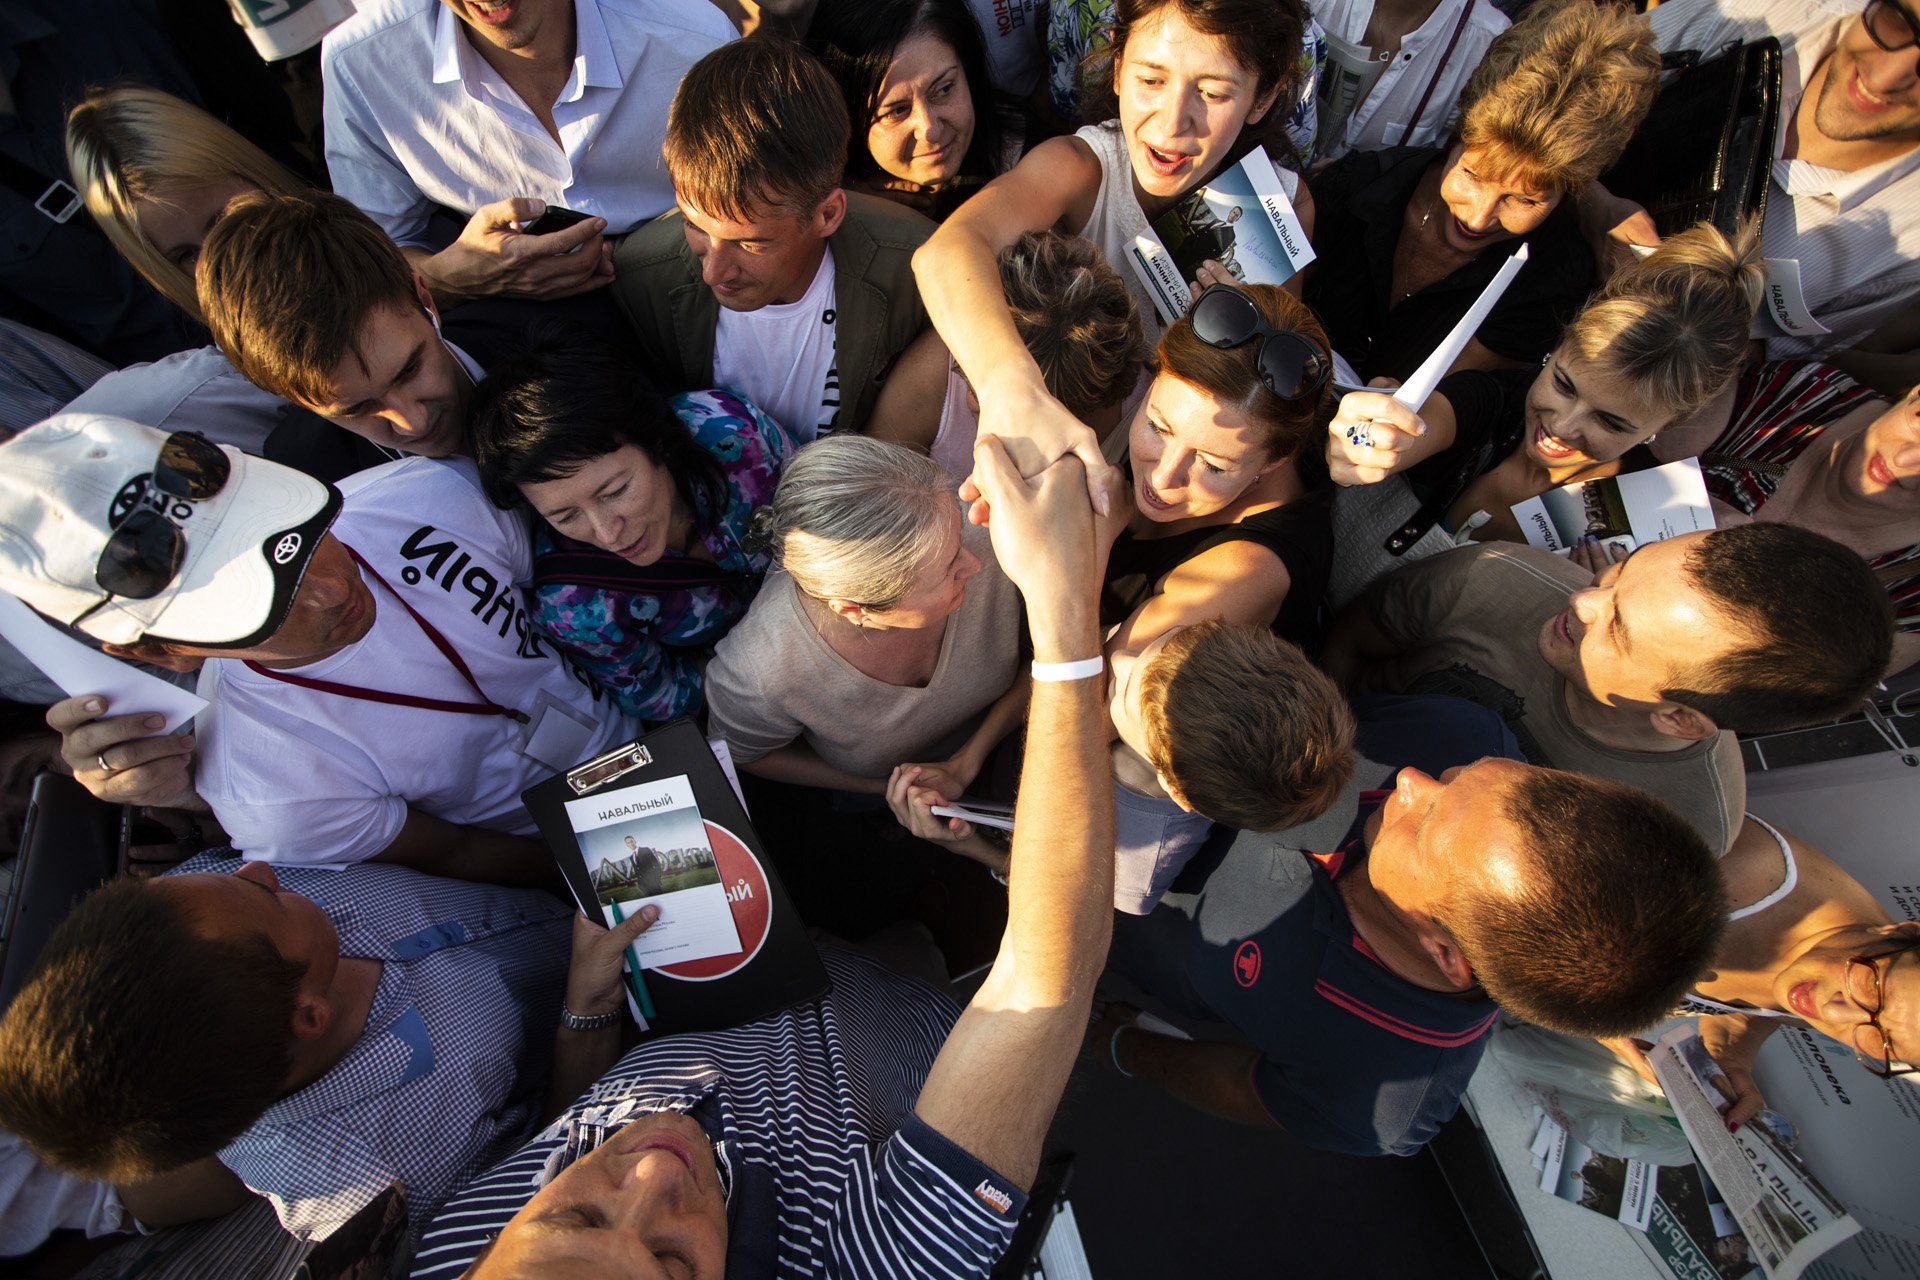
645, 632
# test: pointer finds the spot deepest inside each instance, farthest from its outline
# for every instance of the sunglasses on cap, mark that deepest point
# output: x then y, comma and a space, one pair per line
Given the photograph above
1291, 364
144, 552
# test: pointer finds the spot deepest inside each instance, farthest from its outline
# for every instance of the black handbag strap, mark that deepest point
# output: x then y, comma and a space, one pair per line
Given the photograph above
53, 197
1446, 54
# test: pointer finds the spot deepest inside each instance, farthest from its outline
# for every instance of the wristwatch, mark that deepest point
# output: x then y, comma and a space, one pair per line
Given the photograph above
598, 1022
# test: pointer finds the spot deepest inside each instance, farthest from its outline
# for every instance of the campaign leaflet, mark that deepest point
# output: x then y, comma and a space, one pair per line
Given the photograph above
1625, 512
647, 845
1242, 219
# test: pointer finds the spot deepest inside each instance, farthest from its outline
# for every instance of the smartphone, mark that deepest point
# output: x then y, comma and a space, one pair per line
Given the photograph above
555, 219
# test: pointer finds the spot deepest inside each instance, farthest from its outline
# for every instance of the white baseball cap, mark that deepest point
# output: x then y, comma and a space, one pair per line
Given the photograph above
67, 484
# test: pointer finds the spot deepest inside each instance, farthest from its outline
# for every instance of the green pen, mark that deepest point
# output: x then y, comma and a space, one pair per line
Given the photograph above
635, 983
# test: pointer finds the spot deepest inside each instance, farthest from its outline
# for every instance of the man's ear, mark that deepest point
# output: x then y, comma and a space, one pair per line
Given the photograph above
831, 213
1683, 723
312, 1015
425, 297
160, 655
1445, 954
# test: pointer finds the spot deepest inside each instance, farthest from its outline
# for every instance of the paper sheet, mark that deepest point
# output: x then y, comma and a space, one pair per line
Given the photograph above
1414, 391
79, 669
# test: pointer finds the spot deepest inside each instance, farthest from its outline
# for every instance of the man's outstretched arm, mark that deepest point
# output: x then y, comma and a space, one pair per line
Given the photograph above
995, 1085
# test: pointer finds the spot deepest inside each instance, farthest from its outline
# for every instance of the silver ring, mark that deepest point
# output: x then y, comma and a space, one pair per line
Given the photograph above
1359, 437
101, 760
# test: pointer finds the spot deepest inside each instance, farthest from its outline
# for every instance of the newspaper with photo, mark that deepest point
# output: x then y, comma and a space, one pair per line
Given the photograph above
1683, 1223
1242, 219
647, 845
1786, 1216
1625, 511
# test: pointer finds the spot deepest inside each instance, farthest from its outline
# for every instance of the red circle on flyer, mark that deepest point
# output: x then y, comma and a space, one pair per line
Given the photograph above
748, 897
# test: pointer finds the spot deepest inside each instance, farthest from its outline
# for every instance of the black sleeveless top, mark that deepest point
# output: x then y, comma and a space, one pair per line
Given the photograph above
1299, 533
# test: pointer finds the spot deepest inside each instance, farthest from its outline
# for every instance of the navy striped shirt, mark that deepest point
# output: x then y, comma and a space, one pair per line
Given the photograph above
815, 1103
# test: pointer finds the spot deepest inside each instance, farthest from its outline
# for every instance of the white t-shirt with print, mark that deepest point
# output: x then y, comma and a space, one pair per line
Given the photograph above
299, 775
780, 357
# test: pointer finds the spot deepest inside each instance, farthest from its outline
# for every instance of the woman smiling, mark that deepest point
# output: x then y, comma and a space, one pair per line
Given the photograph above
915, 72
1408, 237
1225, 524
639, 567
1662, 340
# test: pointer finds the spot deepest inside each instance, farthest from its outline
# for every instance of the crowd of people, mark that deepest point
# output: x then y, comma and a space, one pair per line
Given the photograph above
781, 365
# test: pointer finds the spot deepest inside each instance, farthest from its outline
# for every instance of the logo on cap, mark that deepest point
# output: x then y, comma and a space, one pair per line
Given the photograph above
286, 549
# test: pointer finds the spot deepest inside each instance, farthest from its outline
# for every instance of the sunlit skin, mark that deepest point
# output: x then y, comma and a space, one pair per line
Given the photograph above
1882, 463
1124, 699
1621, 640
1192, 456
176, 221
1580, 414
923, 117
1437, 840
645, 1205
1867, 92
1485, 206
623, 502
510, 24
1814, 986
1183, 102
401, 387
938, 591
770, 257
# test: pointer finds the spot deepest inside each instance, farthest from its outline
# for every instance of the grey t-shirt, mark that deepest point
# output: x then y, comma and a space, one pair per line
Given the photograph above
774, 680
1470, 622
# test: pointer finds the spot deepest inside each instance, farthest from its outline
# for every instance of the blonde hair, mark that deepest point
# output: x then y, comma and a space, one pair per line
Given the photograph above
128, 143
1676, 325
1557, 96
858, 519
1077, 318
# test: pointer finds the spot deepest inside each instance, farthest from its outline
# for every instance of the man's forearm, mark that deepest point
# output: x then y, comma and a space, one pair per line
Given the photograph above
1208, 1075
1060, 890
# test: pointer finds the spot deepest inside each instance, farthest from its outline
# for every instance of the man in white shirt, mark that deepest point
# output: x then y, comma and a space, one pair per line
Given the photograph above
772, 282
377, 691
1845, 199
1395, 70
497, 110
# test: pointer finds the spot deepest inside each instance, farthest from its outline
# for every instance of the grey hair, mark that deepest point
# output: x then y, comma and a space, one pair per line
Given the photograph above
857, 519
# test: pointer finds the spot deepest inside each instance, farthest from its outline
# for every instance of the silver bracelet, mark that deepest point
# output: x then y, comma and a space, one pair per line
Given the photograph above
598, 1022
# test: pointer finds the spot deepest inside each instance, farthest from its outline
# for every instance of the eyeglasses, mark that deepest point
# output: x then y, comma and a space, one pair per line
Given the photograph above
1890, 26
1291, 365
1872, 1046
144, 551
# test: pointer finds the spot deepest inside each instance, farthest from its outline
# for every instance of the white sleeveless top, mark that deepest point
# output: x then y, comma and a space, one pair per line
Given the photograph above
1117, 218
1693, 1001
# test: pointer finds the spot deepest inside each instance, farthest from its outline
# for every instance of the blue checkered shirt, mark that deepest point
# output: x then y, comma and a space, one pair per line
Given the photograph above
445, 1077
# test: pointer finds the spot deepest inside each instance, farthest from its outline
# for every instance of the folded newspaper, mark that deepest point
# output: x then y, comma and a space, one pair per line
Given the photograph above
1785, 1216
1622, 511
1242, 219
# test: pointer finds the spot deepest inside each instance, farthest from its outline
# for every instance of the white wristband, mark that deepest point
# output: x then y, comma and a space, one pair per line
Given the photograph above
1060, 672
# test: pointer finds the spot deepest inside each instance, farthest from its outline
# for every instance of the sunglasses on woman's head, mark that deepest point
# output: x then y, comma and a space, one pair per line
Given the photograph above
1291, 364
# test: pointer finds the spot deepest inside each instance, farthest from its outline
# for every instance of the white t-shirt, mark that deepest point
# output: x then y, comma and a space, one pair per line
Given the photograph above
780, 357
1016, 36
304, 776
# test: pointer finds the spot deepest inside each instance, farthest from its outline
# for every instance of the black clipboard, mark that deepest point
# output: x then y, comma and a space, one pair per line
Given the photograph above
777, 967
